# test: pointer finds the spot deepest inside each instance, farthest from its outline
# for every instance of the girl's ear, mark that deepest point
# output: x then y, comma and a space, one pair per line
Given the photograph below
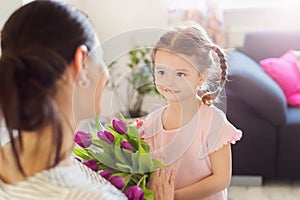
79, 58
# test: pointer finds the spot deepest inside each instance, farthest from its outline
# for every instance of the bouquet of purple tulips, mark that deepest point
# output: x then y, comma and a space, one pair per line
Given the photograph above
119, 154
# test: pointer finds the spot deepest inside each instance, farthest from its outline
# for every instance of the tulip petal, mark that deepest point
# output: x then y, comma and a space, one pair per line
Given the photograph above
120, 126
134, 193
126, 145
117, 181
92, 164
83, 139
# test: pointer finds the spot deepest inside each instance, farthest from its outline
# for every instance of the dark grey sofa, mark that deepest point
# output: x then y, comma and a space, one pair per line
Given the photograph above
270, 146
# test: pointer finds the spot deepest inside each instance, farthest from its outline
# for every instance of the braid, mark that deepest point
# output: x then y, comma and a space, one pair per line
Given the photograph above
223, 65
209, 97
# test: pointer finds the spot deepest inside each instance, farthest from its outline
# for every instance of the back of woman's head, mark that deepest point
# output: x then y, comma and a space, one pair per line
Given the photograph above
38, 41
192, 41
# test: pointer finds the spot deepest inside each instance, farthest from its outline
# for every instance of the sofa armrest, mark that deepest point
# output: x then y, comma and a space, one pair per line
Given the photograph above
249, 83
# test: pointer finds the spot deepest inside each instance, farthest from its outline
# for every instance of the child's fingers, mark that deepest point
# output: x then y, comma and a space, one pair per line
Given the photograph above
172, 176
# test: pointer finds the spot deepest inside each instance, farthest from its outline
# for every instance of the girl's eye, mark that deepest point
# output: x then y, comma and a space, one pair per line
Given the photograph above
181, 74
160, 72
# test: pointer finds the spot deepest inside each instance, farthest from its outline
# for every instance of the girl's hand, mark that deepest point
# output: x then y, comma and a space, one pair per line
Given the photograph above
162, 184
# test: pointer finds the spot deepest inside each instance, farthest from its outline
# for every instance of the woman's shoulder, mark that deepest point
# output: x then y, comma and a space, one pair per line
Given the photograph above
95, 185
69, 182
93, 191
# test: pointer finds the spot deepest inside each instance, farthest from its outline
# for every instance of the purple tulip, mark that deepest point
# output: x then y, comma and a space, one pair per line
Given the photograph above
83, 139
126, 145
120, 126
91, 163
106, 136
134, 193
117, 181
106, 174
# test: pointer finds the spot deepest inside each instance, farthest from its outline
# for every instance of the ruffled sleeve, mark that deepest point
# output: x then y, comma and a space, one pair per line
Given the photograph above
219, 133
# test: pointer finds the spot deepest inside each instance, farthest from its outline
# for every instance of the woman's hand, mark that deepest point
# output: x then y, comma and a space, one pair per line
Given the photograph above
162, 184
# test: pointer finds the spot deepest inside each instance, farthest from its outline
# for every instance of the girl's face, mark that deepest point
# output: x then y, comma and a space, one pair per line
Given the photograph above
175, 76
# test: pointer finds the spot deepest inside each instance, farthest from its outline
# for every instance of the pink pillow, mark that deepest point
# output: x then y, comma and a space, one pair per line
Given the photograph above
285, 72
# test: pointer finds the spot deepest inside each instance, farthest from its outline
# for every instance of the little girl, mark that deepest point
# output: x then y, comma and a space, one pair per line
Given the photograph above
191, 134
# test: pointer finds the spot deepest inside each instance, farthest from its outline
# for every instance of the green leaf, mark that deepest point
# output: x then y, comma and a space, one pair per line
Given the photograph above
144, 145
90, 128
112, 64
122, 174
148, 194
104, 159
121, 156
135, 162
82, 153
117, 135
157, 164
141, 148
133, 132
94, 136
123, 167
99, 126
145, 164
133, 141
123, 118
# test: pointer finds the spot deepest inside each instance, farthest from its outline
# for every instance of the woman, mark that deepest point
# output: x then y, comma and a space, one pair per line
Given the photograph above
48, 51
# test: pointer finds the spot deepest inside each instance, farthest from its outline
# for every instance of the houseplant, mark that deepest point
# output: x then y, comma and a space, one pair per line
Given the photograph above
139, 82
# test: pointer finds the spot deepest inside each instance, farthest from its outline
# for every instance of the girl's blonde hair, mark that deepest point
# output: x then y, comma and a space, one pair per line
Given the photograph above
192, 41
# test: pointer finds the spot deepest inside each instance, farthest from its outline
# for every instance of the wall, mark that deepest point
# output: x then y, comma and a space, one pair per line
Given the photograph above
242, 20
6, 8
112, 17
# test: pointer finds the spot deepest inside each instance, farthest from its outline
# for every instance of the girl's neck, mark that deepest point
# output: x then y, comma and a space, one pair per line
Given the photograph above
179, 113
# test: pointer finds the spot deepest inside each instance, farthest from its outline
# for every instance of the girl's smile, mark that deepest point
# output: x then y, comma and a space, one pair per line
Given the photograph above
168, 90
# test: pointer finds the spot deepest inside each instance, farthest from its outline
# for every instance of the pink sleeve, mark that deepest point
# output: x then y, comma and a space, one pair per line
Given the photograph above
220, 132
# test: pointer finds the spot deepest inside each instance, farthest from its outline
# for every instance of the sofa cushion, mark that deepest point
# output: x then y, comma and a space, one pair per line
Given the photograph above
285, 72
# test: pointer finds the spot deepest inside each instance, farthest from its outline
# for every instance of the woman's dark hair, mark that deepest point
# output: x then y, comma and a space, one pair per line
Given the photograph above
38, 41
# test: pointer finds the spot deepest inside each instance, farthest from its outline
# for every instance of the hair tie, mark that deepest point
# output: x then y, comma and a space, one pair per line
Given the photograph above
215, 48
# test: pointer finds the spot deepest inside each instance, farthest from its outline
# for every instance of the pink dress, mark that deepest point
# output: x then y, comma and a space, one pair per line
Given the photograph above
188, 148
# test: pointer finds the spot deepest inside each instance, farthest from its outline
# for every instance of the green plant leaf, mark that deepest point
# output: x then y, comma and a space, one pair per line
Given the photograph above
123, 167
148, 194
99, 126
122, 156
104, 159
132, 131
112, 64
144, 145
82, 153
135, 162
117, 135
157, 164
145, 163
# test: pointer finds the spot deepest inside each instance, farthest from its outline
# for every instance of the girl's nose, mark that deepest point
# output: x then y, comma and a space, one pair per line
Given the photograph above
168, 80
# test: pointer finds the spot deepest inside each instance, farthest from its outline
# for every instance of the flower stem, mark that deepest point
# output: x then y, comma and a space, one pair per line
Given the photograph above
143, 177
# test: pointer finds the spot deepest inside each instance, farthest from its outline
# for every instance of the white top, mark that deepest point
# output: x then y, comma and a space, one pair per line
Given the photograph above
67, 183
